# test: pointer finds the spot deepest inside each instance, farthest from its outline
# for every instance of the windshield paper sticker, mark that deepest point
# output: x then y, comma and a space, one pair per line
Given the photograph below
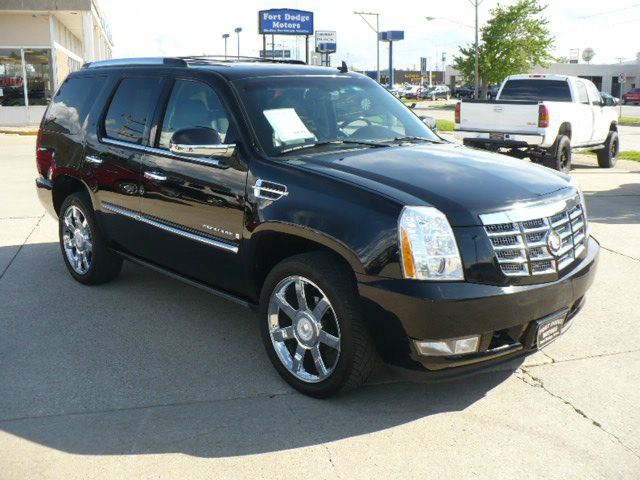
287, 126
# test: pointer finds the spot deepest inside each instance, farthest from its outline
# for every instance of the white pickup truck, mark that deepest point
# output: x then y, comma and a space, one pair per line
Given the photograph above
543, 117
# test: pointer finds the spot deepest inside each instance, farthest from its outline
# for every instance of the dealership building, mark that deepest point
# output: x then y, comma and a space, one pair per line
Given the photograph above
605, 77
41, 42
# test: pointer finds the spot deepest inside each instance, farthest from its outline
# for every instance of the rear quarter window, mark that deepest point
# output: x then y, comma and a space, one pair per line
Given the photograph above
70, 107
533, 90
131, 108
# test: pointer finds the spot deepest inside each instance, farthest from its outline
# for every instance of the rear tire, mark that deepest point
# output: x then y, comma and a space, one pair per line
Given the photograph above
608, 156
558, 157
295, 332
83, 246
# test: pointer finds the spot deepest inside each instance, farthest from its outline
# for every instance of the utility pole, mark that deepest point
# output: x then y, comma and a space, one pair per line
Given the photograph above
238, 30
377, 30
476, 89
225, 36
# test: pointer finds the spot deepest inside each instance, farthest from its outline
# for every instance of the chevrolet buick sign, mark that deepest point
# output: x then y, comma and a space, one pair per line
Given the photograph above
285, 22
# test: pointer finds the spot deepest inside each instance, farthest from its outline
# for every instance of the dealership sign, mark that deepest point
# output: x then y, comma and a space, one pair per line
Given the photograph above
326, 41
283, 21
275, 53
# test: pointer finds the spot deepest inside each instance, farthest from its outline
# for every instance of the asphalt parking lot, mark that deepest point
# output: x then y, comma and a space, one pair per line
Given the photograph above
148, 378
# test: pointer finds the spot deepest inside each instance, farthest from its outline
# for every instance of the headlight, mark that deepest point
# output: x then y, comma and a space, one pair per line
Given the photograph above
428, 248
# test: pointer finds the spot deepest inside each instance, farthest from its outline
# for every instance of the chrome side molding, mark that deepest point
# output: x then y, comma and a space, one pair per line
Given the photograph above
168, 228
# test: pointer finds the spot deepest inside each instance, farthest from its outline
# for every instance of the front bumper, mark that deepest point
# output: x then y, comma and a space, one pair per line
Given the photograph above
505, 316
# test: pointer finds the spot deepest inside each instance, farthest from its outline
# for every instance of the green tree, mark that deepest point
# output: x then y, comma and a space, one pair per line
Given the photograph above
514, 40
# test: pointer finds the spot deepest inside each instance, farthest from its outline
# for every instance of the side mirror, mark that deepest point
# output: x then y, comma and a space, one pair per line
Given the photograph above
200, 142
429, 122
609, 102
413, 105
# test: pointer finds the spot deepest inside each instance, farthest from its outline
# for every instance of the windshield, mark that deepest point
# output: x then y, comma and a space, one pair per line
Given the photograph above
334, 112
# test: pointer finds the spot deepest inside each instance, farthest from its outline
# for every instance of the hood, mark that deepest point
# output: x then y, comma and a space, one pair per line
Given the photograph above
459, 181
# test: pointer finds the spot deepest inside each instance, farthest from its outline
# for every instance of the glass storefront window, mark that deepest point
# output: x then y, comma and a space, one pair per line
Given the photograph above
37, 64
38, 67
11, 78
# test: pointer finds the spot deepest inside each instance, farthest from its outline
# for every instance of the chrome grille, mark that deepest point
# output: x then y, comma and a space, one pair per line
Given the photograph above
520, 237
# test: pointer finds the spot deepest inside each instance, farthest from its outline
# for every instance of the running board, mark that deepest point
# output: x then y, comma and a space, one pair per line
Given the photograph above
188, 281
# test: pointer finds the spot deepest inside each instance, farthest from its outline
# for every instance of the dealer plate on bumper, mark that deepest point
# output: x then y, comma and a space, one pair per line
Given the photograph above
496, 136
549, 330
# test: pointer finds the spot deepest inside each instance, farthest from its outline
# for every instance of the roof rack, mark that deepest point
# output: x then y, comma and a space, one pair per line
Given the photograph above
186, 61
115, 62
194, 59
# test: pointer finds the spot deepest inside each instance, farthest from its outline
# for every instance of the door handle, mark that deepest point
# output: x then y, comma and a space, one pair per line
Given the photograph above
158, 177
93, 160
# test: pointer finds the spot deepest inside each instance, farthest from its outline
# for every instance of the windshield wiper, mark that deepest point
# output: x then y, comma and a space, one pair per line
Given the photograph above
334, 142
413, 138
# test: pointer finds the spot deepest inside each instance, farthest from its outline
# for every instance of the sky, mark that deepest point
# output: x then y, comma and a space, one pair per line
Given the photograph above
195, 27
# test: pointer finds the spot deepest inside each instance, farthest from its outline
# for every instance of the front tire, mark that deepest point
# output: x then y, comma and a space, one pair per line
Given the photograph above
312, 326
558, 157
608, 156
83, 246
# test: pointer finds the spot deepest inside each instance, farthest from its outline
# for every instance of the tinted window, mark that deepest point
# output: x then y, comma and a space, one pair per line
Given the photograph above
131, 108
193, 104
70, 107
536, 90
582, 93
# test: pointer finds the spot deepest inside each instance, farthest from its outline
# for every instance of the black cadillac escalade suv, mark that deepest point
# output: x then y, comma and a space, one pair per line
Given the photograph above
314, 196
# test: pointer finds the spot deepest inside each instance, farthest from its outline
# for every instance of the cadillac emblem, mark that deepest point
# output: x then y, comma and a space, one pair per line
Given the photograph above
554, 242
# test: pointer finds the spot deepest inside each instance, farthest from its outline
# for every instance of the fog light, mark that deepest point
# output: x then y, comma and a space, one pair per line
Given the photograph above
452, 346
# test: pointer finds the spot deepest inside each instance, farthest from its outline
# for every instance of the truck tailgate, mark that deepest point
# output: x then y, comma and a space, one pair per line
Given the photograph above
503, 117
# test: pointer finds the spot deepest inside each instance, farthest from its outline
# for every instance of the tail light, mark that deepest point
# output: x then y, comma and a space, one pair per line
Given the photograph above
458, 113
543, 116
44, 157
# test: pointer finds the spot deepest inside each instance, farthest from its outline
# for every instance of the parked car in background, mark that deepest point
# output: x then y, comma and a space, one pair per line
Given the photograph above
411, 91
632, 96
542, 117
436, 92
322, 203
464, 91
492, 91
609, 99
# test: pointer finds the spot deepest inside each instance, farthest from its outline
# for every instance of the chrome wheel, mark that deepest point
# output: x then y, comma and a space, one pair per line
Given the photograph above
77, 240
304, 329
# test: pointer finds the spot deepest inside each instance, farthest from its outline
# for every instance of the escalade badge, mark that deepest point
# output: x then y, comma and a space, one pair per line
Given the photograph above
554, 242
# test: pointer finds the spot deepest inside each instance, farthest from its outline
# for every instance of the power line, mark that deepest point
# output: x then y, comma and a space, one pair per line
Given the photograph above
607, 12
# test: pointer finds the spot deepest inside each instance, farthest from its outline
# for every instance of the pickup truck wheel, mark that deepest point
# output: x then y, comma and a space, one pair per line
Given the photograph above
608, 156
558, 157
312, 327
84, 249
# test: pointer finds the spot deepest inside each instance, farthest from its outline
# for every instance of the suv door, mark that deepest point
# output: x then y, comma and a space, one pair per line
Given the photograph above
194, 206
582, 135
113, 156
600, 115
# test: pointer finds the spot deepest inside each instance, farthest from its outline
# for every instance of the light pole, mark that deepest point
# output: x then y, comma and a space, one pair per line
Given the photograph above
238, 30
475, 3
377, 30
225, 36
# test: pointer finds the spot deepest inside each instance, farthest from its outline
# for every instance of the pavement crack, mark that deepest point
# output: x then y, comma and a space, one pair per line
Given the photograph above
15, 255
537, 382
548, 356
619, 253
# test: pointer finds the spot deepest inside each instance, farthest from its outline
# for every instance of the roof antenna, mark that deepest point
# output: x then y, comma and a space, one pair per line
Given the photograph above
343, 68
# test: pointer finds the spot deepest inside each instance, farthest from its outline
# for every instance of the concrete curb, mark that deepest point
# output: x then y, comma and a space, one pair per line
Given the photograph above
19, 131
